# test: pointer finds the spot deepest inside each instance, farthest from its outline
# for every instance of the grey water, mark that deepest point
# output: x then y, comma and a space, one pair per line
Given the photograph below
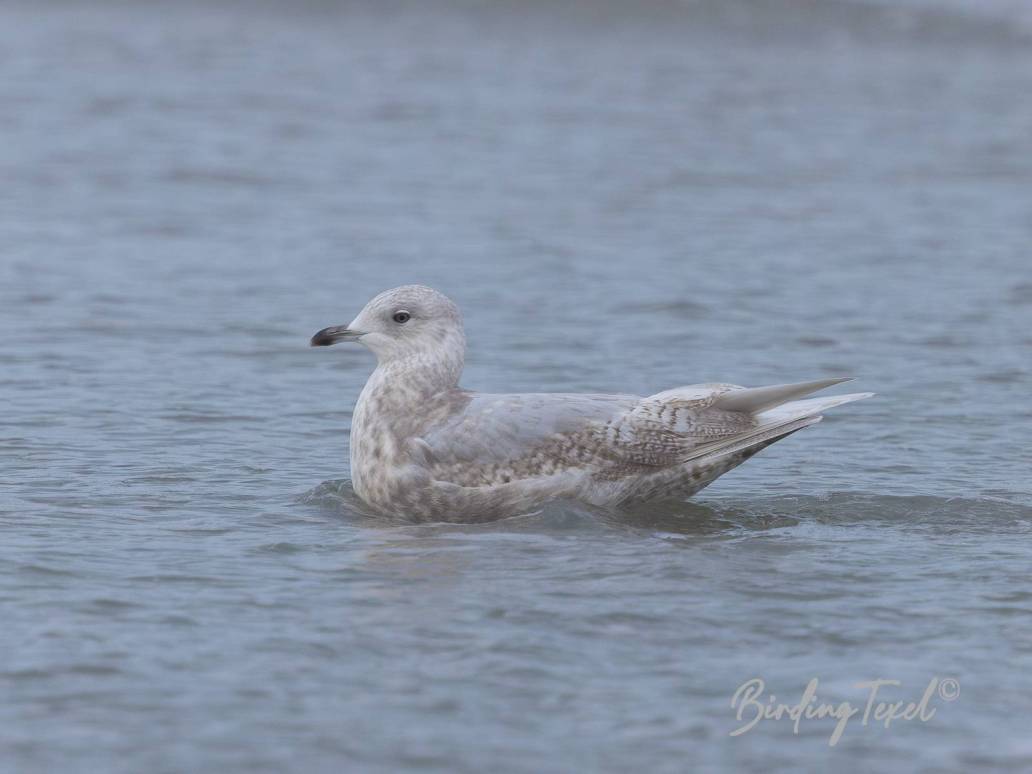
621, 197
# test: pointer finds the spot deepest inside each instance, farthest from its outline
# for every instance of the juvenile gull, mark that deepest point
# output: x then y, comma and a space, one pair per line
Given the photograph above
424, 448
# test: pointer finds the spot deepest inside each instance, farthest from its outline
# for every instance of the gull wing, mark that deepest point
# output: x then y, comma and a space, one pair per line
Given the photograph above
493, 437
499, 428
497, 437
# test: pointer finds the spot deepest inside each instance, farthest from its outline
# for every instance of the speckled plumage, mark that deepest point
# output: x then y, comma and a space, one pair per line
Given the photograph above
424, 448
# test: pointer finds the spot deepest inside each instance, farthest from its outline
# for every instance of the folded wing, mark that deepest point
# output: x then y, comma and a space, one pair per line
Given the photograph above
525, 435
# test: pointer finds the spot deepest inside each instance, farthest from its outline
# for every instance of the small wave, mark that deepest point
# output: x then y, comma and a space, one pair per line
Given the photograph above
337, 497
279, 548
679, 308
843, 508
703, 517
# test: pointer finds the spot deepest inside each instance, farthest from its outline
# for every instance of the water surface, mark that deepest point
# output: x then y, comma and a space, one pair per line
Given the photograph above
621, 198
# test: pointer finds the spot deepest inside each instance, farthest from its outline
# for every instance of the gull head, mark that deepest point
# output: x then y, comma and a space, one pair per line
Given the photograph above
412, 320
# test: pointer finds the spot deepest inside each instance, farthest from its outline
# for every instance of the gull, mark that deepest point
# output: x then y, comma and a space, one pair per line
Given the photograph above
425, 449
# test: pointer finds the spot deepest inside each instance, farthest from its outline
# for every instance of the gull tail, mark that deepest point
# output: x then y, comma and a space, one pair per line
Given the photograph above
776, 412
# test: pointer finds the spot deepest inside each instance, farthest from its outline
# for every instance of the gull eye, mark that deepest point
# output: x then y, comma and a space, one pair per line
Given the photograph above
401, 317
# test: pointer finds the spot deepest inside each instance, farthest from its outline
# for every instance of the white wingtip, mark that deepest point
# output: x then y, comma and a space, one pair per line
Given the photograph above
808, 407
777, 422
753, 400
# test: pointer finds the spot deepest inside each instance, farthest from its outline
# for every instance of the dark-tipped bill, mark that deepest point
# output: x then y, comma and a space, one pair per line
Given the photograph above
332, 335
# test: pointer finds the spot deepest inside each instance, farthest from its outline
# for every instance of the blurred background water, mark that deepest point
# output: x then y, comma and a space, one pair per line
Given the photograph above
621, 197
